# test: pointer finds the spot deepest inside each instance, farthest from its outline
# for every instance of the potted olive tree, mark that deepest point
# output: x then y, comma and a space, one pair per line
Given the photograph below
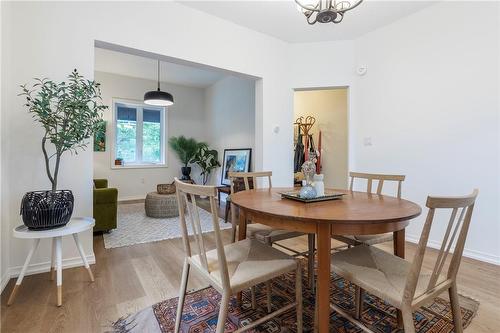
207, 159
70, 113
186, 150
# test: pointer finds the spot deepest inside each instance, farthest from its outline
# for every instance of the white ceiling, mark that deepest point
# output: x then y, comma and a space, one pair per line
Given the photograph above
282, 20
146, 68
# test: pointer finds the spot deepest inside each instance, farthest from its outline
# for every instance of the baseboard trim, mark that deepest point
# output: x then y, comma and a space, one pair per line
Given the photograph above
477, 255
43, 267
3, 283
132, 198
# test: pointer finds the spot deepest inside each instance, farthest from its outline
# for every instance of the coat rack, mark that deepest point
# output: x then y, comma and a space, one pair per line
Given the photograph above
302, 149
305, 125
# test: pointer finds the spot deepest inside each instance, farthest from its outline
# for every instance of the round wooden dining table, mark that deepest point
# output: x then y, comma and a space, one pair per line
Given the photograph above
355, 213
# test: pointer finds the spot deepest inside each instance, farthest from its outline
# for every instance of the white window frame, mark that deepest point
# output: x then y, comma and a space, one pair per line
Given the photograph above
140, 106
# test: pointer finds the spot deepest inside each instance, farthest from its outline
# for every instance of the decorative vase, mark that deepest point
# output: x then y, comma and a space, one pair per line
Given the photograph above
47, 209
319, 185
307, 191
186, 171
308, 169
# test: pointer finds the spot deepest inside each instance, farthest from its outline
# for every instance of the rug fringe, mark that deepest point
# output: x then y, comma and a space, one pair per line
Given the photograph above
122, 325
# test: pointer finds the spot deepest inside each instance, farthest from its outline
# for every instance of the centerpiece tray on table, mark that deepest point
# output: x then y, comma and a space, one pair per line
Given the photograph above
329, 195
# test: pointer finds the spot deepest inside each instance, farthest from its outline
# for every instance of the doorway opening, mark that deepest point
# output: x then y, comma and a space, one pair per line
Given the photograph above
327, 140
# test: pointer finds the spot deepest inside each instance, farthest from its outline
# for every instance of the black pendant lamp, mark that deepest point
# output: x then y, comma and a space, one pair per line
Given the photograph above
158, 97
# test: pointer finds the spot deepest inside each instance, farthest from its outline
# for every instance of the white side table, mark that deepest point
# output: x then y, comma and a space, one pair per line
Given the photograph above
74, 226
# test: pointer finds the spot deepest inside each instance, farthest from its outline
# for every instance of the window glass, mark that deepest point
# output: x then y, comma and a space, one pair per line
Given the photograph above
151, 136
126, 130
139, 134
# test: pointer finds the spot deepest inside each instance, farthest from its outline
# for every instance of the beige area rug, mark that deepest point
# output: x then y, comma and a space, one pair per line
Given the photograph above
134, 227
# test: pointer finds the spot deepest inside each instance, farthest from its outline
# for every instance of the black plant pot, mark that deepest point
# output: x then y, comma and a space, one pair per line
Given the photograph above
47, 209
186, 171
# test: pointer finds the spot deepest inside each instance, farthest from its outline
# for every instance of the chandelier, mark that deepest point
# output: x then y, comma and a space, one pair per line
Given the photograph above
158, 97
325, 11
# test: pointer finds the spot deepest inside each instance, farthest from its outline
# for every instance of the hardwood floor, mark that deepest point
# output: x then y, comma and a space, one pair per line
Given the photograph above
129, 279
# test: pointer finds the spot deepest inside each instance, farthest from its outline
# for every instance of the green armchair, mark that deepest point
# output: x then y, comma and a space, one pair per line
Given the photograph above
105, 205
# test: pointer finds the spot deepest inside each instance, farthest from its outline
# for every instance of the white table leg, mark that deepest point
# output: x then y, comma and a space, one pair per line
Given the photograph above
53, 259
23, 271
84, 258
59, 269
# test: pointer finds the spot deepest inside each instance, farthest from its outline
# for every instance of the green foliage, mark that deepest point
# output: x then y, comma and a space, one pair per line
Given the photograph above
126, 140
69, 112
207, 159
191, 151
151, 141
185, 149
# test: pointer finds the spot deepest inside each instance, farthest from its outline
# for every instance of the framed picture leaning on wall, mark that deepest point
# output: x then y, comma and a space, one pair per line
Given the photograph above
237, 160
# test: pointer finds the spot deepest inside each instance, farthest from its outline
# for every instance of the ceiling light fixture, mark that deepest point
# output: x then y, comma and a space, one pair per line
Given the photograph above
325, 11
158, 97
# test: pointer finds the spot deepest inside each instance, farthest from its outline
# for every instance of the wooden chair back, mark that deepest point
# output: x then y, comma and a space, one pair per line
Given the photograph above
183, 191
249, 175
246, 176
380, 178
458, 225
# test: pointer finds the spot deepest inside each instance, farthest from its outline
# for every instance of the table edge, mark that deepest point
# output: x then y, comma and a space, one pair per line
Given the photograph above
48, 233
331, 221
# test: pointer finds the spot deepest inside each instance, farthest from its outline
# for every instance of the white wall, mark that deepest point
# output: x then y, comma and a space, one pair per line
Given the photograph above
230, 116
4, 227
446, 84
21, 136
327, 65
39, 47
329, 108
429, 101
186, 117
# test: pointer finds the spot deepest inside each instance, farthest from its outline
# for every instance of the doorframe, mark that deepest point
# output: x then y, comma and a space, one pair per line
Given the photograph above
350, 148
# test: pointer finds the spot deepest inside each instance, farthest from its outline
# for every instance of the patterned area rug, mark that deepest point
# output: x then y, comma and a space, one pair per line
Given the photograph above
202, 306
134, 227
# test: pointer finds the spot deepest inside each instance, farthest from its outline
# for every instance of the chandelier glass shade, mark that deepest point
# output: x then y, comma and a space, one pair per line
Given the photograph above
325, 11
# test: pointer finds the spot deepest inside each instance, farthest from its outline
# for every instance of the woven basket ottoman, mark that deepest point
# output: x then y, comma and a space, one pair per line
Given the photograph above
161, 205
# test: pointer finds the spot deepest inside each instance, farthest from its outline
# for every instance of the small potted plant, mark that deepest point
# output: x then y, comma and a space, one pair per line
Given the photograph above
186, 150
70, 113
207, 159
119, 161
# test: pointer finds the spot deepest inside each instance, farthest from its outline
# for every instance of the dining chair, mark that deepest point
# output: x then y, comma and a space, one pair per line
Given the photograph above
403, 284
381, 179
264, 233
230, 268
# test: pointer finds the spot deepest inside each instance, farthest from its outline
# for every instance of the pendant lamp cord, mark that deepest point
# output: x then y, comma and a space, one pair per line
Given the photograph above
158, 74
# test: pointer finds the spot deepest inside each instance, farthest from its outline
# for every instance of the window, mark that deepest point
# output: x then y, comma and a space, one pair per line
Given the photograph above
139, 134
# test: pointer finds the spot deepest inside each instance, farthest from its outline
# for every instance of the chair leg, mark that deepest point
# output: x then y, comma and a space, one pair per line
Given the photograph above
226, 213
224, 306
298, 297
310, 259
268, 295
316, 326
407, 315
358, 302
182, 296
233, 222
455, 308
